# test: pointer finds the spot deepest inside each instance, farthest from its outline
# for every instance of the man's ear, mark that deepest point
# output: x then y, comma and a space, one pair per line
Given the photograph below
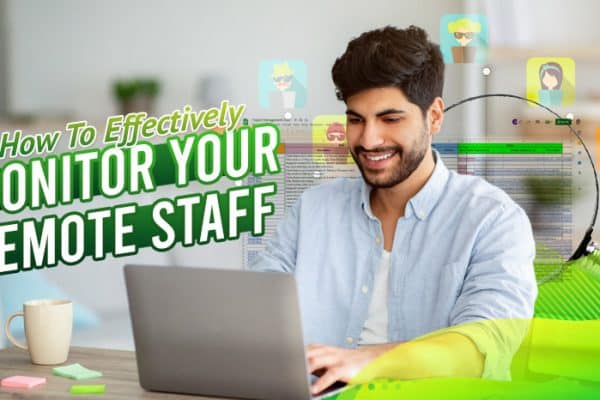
435, 114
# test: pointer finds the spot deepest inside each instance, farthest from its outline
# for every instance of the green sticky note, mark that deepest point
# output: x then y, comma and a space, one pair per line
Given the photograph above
87, 389
76, 371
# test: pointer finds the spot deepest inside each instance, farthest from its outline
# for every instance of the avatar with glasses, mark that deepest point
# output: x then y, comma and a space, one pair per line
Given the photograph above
464, 31
290, 92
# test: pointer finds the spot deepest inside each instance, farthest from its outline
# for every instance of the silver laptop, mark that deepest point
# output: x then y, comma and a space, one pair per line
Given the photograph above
217, 332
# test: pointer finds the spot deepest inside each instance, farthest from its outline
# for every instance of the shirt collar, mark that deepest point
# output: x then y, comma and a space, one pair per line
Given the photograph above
425, 200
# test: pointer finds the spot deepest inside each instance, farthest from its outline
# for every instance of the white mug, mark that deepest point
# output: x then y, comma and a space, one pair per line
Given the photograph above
48, 327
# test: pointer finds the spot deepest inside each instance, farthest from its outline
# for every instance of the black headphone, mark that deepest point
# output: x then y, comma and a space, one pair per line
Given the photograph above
586, 246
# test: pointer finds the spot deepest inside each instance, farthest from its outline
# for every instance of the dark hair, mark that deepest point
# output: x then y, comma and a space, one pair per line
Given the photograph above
389, 56
554, 69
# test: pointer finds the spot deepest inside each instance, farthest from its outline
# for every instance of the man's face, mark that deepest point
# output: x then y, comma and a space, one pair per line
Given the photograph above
387, 135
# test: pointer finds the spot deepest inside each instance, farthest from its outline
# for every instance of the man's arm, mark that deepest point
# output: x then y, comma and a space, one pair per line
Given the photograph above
280, 252
498, 295
488, 322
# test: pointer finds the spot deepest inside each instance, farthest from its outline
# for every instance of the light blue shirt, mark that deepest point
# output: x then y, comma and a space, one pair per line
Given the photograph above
462, 252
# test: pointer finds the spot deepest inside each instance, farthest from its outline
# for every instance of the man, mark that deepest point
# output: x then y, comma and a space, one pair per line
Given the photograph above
411, 248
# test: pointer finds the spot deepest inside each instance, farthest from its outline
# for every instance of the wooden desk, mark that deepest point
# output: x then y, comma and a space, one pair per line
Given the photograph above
118, 367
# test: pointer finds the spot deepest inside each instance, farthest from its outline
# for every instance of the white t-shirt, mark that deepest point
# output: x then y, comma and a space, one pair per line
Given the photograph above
375, 330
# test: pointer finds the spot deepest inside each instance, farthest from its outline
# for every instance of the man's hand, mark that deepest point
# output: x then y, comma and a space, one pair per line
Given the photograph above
444, 354
336, 364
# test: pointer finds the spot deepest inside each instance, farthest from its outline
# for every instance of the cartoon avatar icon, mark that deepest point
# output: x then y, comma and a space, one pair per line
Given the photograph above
335, 150
282, 76
290, 92
329, 141
551, 77
336, 133
464, 31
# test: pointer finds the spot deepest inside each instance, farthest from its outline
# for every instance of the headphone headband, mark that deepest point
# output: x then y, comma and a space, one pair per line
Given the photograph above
547, 67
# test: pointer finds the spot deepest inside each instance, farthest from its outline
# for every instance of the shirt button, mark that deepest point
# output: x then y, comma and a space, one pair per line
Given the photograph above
365, 289
349, 340
377, 240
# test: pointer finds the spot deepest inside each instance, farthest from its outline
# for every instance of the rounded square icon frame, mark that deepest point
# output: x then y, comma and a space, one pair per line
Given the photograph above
539, 68
282, 68
320, 124
452, 50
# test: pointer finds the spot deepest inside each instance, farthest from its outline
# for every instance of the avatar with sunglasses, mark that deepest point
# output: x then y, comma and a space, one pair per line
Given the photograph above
290, 92
464, 31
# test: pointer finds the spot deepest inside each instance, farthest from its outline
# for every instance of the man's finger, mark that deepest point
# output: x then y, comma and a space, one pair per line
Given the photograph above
321, 361
330, 377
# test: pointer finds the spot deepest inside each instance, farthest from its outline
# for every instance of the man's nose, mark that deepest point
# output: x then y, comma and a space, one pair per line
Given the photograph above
372, 137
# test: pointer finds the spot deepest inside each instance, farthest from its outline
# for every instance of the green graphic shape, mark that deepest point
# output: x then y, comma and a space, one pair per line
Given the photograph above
563, 121
556, 360
466, 389
572, 291
558, 357
510, 148
163, 167
145, 227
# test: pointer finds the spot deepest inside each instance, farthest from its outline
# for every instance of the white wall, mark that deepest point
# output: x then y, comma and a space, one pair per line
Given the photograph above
64, 54
542, 23
3, 58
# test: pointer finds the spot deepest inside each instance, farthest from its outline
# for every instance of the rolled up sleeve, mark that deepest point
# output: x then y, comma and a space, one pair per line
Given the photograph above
497, 298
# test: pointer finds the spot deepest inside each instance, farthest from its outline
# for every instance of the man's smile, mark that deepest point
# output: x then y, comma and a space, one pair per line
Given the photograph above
375, 160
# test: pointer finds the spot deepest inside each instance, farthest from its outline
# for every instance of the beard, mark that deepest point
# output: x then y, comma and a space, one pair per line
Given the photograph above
404, 163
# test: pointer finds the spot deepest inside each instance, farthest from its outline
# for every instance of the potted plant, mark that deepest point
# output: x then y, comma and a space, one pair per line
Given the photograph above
136, 95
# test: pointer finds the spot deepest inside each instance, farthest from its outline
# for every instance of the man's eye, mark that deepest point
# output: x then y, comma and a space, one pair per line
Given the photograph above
354, 121
391, 120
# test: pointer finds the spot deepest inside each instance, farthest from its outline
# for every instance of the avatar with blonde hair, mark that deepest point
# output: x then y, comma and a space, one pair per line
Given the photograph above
464, 31
290, 92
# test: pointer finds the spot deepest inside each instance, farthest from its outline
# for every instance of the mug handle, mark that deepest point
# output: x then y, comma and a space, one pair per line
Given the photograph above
11, 338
